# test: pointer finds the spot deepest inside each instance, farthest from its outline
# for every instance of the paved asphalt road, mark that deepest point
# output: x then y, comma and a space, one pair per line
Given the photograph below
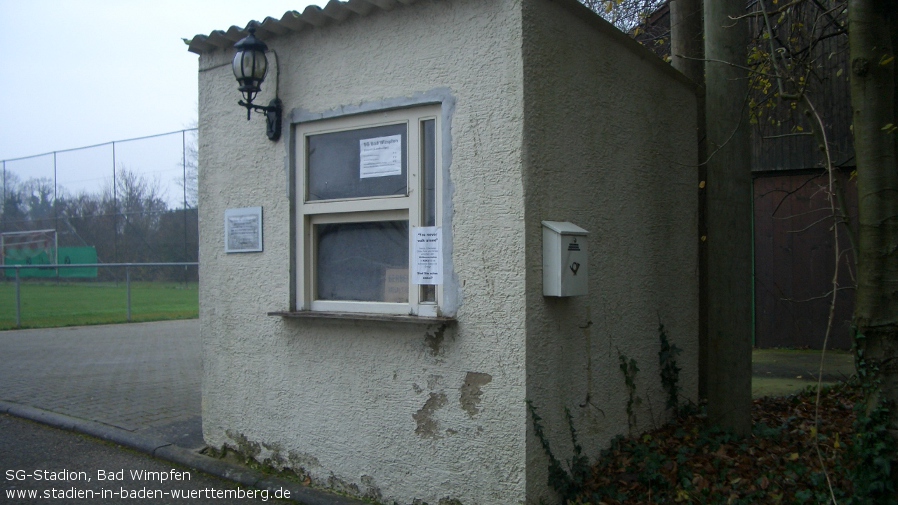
30, 448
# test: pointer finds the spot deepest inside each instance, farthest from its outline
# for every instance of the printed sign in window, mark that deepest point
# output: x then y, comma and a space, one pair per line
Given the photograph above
243, 230
380, 157
428, 255
396, 285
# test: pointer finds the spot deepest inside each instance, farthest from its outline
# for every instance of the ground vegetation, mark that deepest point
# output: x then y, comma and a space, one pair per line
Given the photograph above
799, 452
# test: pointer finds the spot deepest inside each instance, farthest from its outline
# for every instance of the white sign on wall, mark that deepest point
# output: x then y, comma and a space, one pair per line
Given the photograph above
243, 230
380, 157
428, 255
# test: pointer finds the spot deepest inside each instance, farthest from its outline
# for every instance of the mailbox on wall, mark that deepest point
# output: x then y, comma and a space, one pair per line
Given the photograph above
565, 259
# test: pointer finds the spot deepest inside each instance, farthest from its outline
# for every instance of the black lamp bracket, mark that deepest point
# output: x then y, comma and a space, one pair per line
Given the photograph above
272, 116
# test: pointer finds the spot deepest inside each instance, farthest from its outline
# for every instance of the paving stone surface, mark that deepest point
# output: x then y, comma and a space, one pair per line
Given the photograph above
145, 377
141, 377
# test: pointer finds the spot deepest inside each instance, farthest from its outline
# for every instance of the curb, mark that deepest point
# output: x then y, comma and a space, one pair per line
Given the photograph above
161, 449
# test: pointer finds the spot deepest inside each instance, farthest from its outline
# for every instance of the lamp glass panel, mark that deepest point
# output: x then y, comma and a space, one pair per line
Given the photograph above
250, 66
237, 65
260, 67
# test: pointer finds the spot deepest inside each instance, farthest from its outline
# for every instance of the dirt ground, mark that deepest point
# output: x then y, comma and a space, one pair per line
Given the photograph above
779, 372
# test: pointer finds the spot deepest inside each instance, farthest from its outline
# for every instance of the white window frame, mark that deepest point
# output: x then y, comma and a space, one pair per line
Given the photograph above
382, 208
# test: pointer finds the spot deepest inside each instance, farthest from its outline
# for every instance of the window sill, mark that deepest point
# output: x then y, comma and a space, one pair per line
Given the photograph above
360, 316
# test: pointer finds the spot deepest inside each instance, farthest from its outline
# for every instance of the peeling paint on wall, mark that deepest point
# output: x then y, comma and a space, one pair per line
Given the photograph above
302, 463
372, 492
275, 459
427, 425
341, 486
443, 501
243, 446
471, 392
434, 340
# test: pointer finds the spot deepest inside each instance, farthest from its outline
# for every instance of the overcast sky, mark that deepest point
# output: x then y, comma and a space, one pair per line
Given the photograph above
83, 72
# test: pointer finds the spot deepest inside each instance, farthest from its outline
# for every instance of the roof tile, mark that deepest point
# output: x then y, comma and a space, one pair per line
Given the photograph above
334, 12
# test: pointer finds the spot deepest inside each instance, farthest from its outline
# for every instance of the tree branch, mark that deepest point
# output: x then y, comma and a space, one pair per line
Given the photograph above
757, 14
802, 134
731, 64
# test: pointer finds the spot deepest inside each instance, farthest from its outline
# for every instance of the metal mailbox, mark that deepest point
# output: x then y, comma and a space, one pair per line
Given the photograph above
565, 259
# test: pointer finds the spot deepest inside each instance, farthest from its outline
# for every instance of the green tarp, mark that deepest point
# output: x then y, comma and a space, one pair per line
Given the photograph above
67, 256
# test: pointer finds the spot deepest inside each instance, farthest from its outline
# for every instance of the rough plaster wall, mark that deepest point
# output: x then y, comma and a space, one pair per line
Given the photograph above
609, 146
393, 412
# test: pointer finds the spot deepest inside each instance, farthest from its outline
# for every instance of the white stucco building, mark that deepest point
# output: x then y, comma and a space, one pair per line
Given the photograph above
322, 355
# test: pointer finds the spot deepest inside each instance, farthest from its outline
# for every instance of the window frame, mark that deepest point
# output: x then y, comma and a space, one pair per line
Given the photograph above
408, 207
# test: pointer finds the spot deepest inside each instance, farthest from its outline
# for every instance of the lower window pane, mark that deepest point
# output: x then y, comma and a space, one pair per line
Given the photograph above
366, 262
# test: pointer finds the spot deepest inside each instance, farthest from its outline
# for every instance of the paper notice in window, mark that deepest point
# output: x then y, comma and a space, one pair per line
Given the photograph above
380, 157
396, 285
428, 255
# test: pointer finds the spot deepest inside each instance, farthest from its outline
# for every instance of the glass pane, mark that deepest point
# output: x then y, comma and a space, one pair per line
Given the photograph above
358, 163
250, 64
365, 262
428, 169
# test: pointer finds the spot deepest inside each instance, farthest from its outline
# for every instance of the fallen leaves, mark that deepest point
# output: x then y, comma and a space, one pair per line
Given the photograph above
688, 462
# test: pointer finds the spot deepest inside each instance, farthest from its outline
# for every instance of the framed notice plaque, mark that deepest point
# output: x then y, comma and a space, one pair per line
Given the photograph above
243, 230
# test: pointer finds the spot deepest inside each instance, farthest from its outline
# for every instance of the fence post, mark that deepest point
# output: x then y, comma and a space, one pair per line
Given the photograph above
18, 302
128, 284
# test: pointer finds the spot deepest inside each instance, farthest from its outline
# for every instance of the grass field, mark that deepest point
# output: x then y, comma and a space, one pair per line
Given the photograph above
46, 305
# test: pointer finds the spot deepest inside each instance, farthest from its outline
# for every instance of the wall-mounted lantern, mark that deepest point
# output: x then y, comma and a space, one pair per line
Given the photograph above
250, 68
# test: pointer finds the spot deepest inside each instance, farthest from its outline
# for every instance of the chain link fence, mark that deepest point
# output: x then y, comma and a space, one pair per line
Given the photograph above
126, 201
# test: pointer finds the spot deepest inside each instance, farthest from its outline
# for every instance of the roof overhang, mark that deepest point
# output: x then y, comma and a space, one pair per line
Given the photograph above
334, 12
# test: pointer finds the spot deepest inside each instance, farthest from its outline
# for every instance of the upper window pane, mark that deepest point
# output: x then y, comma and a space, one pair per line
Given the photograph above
358, 163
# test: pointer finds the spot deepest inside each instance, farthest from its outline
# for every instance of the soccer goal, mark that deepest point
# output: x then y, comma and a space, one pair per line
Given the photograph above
35, 247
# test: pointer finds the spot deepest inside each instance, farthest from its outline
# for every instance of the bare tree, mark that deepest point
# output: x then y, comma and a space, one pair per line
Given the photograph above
627, 15
874, 96
39, 193
794, 60
728, 217
687, 52
12, 210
